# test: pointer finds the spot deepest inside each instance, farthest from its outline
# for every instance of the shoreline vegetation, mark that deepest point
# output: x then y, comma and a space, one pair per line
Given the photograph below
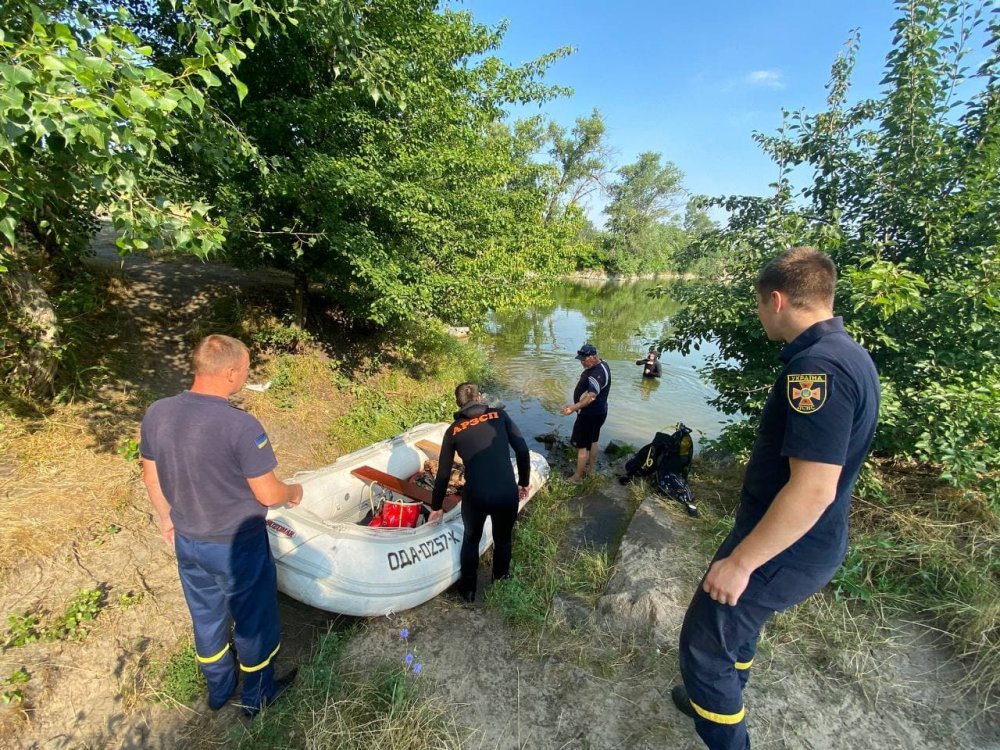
409, 200
921, 552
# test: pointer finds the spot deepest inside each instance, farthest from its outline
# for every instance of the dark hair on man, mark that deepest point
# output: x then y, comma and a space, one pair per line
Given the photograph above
217, 352
466, 393
805, 274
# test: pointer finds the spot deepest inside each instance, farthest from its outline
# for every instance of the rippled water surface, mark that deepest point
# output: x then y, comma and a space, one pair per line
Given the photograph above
534, 357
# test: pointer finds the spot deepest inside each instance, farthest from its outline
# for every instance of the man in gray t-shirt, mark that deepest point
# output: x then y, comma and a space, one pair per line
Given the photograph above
209, 470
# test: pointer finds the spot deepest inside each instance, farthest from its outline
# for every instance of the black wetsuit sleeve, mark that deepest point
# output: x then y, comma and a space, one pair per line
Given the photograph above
445, 461
640, 361
656, 370
520, 446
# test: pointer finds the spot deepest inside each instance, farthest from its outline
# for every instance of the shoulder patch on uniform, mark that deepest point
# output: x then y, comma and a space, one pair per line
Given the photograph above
807, 391
261, 441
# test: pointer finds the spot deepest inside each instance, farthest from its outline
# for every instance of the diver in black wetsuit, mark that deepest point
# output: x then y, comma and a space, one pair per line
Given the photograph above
483, 436
651, 364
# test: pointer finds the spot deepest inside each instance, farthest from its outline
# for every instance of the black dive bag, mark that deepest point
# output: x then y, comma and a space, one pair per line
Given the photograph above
666, 462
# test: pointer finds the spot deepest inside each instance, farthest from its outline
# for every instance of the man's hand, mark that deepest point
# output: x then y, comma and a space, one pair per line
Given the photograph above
726, 581
296, 497
522, 492
435, 516
167, 530
567, 410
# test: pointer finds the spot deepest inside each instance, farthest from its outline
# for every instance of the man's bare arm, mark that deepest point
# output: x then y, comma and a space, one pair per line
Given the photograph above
160, 503
271, 491
810, 490
587, 398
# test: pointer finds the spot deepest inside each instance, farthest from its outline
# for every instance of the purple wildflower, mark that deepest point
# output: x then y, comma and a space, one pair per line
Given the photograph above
418, 668
409, 657
404, 633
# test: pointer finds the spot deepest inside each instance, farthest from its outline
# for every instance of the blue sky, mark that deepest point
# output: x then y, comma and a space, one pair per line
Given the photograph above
693, 80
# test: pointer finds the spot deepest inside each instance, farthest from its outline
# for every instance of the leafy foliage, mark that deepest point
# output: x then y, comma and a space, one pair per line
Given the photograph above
13, 687
580, 161
88, 123
904, 196
88, 120
643, 195
428, 206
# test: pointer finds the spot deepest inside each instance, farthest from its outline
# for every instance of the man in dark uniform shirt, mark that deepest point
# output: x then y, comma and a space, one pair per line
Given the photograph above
790, 534
590, 402
483, 436
209, 470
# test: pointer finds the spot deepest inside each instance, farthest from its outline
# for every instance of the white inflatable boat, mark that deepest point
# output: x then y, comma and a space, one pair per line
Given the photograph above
327, 558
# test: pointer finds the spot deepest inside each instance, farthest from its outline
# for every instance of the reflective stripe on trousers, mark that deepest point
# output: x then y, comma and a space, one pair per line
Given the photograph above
718, 641
232, 585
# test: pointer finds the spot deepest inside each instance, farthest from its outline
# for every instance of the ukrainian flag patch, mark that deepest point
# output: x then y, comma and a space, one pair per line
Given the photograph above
261, 441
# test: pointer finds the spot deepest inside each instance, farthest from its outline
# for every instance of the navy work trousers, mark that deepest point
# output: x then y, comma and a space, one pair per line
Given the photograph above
718, 642
232, 584
503, 513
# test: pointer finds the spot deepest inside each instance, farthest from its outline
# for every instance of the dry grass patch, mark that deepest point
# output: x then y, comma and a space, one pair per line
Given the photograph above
60, 478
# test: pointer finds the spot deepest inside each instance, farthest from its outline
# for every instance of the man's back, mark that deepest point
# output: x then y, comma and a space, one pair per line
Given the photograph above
823, 407
205, 449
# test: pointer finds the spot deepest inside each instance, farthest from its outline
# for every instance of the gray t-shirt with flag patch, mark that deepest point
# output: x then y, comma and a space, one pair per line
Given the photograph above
205, 449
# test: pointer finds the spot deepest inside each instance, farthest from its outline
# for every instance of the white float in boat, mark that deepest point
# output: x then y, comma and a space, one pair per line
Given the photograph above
327, 560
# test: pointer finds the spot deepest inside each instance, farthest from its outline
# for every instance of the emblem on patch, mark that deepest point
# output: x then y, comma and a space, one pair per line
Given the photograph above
261, 441
807, 392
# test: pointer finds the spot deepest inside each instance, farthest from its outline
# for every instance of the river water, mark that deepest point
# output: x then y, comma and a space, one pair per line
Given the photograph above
533, 353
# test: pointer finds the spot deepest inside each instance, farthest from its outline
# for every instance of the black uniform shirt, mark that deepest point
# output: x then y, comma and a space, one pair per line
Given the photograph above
597, 380
483, 436
824, 408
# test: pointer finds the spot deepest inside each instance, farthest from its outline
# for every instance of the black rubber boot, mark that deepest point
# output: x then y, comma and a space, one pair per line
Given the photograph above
680, 698
281, 685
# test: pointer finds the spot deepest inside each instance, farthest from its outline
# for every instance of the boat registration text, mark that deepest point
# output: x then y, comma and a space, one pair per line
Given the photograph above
424, 551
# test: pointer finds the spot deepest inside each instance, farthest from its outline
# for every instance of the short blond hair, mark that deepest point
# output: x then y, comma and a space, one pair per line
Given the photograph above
216, 352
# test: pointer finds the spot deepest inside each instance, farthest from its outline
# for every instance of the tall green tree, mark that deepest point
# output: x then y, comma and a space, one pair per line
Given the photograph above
581, 159
644, 195
427, 205
88, 123
905, 196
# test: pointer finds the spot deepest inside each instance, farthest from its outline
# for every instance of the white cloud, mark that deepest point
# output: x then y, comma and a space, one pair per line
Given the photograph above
772, 79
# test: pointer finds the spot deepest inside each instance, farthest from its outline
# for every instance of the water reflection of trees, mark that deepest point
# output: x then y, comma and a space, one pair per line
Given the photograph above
620, 317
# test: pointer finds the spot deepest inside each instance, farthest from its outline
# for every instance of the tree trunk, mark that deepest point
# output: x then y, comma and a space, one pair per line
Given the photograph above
301, 297
33, 320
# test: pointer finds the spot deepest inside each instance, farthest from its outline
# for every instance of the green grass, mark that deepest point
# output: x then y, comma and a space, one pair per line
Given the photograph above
930, 551
73, 624
178, 679
416, 384
920, 551
383, 705
540, 568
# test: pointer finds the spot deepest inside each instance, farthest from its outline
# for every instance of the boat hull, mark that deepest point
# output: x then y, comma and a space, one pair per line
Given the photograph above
340, 566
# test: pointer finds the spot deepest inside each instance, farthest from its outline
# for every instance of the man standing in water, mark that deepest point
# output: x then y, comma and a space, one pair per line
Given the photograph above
209, 471
790, 534
590, 402
651, 364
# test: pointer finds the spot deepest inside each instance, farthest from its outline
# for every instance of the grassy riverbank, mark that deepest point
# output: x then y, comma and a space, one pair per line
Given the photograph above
921, 553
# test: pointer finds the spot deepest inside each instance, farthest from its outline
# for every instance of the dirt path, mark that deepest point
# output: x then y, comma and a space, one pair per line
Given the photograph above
170, 300
594, 678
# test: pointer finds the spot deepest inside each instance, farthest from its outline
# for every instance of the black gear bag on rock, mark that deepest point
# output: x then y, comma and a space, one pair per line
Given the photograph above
666, 461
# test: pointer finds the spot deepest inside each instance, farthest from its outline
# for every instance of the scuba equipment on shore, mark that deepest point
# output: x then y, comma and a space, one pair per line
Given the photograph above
666, 461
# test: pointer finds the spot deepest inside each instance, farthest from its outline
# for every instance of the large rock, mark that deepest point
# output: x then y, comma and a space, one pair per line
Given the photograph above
651, 586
